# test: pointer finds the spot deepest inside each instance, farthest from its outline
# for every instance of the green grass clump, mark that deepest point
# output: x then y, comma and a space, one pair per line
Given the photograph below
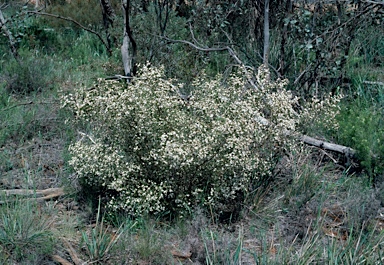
24, 232
31, 74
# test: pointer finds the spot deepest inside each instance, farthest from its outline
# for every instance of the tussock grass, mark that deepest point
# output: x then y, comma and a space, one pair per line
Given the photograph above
25, 233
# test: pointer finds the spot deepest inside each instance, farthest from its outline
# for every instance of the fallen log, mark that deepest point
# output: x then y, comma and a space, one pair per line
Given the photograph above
38, 195
347, 151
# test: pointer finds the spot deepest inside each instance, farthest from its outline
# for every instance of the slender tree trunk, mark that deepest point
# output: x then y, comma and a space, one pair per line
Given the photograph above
108, 19
266, 32
128, 42
162, 8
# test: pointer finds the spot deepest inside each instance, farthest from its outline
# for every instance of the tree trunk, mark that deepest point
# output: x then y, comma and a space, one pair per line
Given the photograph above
266, 32
128, 42
108, 19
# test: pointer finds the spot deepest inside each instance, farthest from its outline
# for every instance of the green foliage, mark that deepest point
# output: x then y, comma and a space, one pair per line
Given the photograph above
87, 13
100, 241
32, 74
148, 245
140, 136
178, 61
221, 249
153, 151
32, 33
84, 47
362, 128
369, 46
24, 232
361, 123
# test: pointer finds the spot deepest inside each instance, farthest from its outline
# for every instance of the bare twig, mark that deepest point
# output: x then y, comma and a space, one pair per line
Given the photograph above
375, 2
204, 49
118, 77
301, 75
231, 52
193, 35
18, 105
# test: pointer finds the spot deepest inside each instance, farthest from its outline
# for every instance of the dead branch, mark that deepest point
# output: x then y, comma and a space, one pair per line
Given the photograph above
28, 103
347, 151
17, 105
373, 83
38, 195
129, 58
181, 255
61, 260
72, 253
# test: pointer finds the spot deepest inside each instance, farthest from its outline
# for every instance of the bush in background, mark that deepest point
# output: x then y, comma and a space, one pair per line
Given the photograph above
362, 128
32, 74
151, 149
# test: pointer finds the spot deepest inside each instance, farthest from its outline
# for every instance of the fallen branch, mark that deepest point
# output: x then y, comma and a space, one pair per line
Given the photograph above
28, 103
373, 83
38, 195
347, 151
72, 252
181, 255
62, 261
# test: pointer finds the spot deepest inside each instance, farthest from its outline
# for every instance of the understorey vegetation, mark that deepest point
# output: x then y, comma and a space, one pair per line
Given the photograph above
191, 132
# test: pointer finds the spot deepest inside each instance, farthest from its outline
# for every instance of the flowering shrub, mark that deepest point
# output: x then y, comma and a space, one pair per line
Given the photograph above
151, 149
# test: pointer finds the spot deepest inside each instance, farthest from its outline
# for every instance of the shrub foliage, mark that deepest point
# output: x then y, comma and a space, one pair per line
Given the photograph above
150, 149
